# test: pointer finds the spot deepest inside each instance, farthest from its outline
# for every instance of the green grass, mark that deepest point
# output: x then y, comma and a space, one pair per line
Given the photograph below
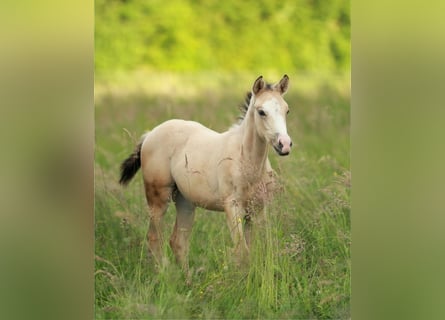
300, 264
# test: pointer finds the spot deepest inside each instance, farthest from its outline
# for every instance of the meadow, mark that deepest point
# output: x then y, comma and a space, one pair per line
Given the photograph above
300, 264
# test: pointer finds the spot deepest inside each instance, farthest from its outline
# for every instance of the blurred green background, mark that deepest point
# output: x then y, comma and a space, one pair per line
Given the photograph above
196, 35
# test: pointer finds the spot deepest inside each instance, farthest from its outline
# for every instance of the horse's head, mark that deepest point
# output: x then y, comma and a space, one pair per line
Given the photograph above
270, 111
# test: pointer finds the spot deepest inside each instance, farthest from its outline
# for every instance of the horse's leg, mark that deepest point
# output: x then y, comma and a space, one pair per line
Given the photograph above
234, 215
257, 208
179, 241
248, 228
158, 198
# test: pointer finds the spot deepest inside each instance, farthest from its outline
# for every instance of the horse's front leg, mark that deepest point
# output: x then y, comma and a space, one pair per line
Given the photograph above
248, 228
235, 213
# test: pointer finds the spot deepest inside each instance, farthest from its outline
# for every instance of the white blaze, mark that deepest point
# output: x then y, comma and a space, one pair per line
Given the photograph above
277, 124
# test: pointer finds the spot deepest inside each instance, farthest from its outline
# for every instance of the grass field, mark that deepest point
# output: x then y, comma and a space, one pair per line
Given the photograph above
300, 265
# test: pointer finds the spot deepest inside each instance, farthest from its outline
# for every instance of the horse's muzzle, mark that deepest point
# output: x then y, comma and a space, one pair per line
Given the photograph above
284, 145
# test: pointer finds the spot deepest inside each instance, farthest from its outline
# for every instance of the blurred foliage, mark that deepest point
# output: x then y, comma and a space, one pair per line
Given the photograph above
196, 35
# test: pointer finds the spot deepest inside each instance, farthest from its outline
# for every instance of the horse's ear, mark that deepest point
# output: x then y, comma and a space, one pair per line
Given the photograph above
283, 85
258, 85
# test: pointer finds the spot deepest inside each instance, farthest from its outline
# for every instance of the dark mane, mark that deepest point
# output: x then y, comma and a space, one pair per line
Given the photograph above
244, 106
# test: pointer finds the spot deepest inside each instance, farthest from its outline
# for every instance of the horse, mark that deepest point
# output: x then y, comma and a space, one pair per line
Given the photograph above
195, 166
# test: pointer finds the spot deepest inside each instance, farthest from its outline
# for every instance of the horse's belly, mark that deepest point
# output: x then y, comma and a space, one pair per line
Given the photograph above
215, 206
198, 187
200, 193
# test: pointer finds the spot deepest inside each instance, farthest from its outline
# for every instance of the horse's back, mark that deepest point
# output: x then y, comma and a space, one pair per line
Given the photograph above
173, 134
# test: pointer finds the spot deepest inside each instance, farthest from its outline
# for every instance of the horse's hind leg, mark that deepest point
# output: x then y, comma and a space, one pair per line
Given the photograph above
179, 241
158, 197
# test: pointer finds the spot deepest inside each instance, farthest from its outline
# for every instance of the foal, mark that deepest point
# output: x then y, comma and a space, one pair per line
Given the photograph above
198, 167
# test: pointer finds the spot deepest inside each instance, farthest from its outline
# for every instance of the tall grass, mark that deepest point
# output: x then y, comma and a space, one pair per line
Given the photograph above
300, 257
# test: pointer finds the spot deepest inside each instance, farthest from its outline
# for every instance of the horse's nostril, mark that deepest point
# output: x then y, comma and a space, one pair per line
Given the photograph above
280, 145
291, 143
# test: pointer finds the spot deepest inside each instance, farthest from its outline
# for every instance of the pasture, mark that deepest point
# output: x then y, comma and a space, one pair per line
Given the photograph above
300, 265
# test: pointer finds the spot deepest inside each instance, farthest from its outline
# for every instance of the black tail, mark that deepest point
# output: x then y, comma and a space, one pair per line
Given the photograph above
131, 165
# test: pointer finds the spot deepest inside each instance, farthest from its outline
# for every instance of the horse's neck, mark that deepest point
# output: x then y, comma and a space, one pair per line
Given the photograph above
254, 149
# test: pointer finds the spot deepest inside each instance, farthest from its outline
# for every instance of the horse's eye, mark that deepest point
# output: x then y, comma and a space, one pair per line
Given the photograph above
261, 113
